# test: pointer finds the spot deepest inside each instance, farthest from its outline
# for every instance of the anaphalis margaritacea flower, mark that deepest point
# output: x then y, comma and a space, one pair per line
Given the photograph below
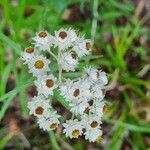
83, 94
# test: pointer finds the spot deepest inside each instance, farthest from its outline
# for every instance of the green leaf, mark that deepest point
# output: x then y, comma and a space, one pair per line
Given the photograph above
5, 140
132, 127
15, 91
6, 104
53, 141
4, 78
118, 134
12, 44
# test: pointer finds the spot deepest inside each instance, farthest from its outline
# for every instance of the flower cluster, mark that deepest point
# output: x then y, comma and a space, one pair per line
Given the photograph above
84, 95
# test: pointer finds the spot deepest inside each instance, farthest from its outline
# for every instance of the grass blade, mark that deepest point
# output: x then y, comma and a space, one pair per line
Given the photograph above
53, 140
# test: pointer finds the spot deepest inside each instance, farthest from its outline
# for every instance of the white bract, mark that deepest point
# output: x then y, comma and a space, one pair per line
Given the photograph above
64, 38
83, 96
43, 41
38, 65
28, 54
73, 128
49, 121
68, 61
79, 108
46, 85
92, 134
95, 75
98, 108
38, 106
76, 92
83, 47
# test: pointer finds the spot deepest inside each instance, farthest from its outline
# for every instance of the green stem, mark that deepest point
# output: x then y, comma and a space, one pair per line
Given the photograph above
60, 73
53, 55
94, 21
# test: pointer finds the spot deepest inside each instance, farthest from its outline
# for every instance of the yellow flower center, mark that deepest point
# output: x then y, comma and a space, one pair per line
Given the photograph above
39, 64
94, 124
105, 108
75, 133
63, 35
49, 83
53, 126
99, 139
39, 110
88, 46
29, 50
76, 93
42, 34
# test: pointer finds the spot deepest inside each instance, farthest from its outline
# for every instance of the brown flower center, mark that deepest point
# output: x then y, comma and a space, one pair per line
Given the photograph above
49, 83
77, 33
74, 55
86, 111
88, 46
53, 126
91, 102
75, 133
63, 35
39, 64
42, 34
39, 110
76, 92
97, 74
29, 50
94, 124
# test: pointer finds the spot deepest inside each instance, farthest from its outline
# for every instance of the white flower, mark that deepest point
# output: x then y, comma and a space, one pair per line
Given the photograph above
49, 121
76, 92
96, 91
64, 38
68, 61
93, 134
46, 85
95, 75
79, 108
43, 41
92, 124
38, 106
73, 128
38, 65
98, 108
83, 47
84, 94
28, 54
91, 121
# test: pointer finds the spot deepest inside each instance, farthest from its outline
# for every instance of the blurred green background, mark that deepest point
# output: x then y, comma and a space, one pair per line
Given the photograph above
121, 31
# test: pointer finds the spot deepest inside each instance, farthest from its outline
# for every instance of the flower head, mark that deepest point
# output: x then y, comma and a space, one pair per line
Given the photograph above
64, 38
46, 85
84, 95
83, 47
28, 54
38, 65
73, 128
49, 121
68, 61
38, 106
95, 75
43, 41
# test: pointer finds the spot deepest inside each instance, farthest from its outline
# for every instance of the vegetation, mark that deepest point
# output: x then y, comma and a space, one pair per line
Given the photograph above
121, 34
